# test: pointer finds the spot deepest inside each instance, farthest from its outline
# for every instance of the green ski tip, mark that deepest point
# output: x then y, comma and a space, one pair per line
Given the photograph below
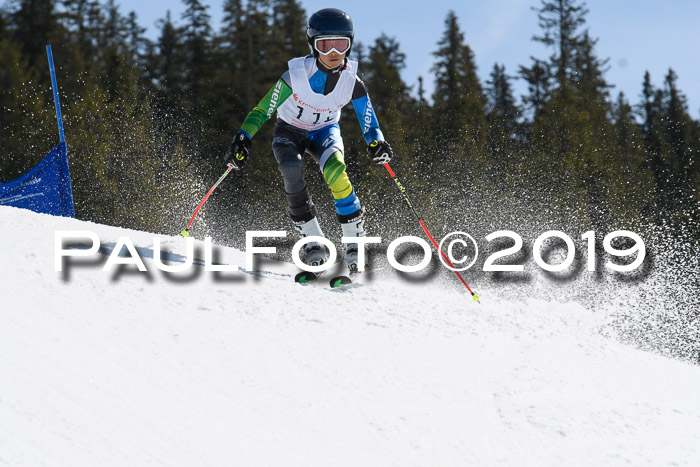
305, 277
185, 233
340, 281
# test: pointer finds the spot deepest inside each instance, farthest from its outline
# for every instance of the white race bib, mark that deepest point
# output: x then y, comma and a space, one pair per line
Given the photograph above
309, 110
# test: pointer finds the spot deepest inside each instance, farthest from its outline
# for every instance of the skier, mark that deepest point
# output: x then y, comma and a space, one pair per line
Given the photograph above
308, 99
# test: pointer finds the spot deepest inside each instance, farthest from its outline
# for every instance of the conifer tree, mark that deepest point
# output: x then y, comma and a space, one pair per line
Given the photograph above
117, 70
77, 45
416, 122
359, 54
196, 44
502, 115
34, 22
230, 74
588, 79
246, 46
391, 100
538, 77
634, 181
168, 66
421, 91
24, 125
74, 20
572, 135
572, 62
629, 138
288, 34
137, 44
458, 109
560, 21
390, 95
679, 134
657, 152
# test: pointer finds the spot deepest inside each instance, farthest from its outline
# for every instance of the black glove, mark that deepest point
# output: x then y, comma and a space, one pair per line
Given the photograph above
380, 151
237, 152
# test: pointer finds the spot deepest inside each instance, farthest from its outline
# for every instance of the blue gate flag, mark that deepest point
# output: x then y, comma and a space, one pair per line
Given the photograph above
46, 188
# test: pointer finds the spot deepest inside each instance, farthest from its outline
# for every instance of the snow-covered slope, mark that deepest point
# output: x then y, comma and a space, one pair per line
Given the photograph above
131, 368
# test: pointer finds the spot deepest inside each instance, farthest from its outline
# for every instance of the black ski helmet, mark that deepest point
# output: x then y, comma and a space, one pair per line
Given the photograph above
329, 22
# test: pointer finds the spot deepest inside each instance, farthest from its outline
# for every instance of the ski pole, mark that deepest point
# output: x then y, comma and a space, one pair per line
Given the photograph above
186, 232
425, 229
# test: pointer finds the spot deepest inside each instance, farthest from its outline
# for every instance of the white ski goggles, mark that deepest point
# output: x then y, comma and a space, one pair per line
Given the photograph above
327, 44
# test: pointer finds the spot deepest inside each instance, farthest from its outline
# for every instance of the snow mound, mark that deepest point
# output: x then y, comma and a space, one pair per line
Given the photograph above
131, 368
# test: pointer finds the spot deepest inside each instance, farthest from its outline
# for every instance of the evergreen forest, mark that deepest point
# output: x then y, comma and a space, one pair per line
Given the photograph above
147, 122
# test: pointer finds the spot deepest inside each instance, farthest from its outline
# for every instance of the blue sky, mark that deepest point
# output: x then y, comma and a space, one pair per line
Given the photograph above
636, 35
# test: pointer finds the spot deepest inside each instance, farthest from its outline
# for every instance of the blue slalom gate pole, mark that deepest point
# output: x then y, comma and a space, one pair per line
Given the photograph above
56, 100
64, 169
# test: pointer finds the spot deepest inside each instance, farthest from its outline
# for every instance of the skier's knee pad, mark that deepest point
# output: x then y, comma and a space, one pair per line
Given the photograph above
301, 206
336, 177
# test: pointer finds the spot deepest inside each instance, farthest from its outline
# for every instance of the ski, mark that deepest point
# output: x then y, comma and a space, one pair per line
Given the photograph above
342, 281
304, 277
336, 282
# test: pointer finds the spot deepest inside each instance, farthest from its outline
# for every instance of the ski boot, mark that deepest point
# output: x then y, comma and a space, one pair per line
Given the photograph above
312, 253
353, 225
